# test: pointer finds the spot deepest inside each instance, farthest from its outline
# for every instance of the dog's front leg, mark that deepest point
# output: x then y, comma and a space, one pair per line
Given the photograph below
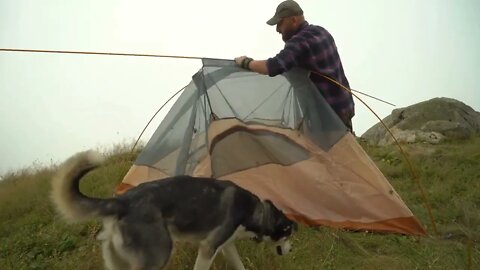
205, 257
231, 255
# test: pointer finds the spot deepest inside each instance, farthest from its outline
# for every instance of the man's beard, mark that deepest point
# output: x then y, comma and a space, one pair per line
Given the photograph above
288, 34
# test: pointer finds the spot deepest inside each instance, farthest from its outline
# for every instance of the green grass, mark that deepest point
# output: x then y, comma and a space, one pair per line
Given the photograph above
33, 237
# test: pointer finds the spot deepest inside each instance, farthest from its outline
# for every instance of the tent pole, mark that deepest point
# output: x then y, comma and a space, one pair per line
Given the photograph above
144, 55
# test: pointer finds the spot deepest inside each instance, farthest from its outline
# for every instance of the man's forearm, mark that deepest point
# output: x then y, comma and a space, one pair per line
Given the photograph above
259, 66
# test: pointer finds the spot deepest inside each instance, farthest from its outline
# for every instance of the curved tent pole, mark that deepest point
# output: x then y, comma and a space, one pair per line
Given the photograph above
151, 119
413, 172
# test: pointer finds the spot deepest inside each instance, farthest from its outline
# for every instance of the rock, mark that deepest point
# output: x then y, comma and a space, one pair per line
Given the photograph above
409, 136
456, 130
429, 121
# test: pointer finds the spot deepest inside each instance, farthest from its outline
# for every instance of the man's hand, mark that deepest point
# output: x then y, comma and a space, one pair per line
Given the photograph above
238, 60
243, 61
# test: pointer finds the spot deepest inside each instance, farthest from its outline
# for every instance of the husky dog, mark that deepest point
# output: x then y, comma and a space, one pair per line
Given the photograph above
140, 226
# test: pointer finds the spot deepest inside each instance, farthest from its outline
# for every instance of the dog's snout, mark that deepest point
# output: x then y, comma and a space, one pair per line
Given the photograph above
283, 248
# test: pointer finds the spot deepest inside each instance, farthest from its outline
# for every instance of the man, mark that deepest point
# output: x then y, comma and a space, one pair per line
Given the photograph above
312, 48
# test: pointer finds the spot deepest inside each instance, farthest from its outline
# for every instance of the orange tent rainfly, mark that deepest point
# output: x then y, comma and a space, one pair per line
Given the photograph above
278, 138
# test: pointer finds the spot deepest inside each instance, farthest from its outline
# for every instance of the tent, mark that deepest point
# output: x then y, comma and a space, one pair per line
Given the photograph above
278, 138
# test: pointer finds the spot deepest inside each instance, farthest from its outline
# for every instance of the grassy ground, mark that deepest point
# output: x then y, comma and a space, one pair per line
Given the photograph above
33, 237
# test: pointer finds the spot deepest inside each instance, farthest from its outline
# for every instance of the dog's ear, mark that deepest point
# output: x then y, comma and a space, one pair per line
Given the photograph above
267, 201
270, 203
274, 214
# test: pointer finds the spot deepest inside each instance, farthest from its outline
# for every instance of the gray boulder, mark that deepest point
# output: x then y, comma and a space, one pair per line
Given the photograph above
429, 121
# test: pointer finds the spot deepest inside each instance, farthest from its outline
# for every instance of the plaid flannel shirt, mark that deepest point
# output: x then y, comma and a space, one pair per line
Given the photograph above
314, 49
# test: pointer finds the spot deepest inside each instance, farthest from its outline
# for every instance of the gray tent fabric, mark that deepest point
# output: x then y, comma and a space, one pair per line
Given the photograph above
221, 90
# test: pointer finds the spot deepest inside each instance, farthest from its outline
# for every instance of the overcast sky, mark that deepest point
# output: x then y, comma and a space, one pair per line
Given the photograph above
52, 106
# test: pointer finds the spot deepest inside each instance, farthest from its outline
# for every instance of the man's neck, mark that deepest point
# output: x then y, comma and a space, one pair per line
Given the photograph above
300, 27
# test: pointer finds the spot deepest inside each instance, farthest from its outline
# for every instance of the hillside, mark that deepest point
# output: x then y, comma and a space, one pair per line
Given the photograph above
33, 237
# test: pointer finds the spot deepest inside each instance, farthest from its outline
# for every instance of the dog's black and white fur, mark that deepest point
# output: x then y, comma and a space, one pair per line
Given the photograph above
140, 226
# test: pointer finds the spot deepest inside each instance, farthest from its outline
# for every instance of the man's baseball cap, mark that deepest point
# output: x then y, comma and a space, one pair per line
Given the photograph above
285, 9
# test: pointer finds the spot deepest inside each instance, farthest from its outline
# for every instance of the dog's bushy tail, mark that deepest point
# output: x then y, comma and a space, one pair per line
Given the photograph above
66, 196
